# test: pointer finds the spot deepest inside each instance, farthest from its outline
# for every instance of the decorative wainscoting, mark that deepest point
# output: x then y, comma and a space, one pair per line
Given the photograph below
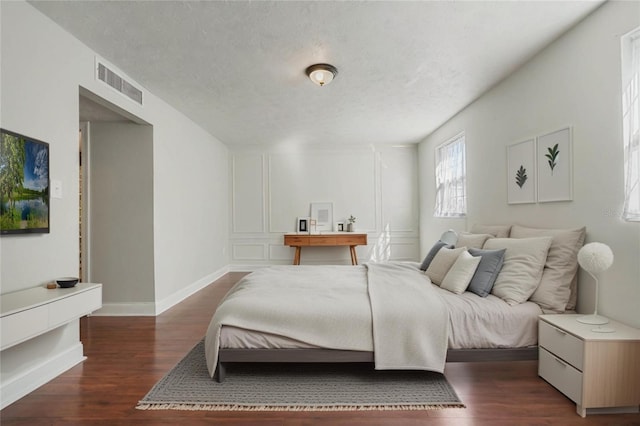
264, 251
271, 189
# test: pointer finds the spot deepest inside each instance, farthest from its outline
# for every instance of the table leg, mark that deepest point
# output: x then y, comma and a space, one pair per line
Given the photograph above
296, 258
354, 256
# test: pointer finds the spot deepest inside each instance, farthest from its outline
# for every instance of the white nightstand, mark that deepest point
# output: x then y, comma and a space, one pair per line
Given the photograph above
600, 372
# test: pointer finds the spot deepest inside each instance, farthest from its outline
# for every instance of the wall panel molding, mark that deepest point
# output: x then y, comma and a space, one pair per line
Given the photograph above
375, 185
247, 193
248, 251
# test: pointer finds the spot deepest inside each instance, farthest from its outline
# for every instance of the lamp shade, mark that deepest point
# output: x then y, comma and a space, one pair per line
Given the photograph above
595, 257
450, 237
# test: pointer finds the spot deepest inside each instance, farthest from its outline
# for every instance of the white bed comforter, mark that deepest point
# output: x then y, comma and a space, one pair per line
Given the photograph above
388, 306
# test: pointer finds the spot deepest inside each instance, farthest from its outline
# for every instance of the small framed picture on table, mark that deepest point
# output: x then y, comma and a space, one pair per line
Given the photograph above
302, 225
322, 213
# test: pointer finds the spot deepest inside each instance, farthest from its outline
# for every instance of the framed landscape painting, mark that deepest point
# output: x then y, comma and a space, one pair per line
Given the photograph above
24, 184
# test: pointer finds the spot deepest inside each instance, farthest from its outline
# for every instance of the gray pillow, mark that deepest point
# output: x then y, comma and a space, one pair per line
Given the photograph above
487, 271
432, 253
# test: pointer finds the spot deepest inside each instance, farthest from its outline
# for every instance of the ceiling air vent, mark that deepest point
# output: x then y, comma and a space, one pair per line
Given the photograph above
120, 84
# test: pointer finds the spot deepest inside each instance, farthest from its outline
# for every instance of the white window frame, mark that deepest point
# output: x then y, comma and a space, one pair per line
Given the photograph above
451, 178
631, 124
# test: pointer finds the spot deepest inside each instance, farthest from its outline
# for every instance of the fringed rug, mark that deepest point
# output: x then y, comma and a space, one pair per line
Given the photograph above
297, 387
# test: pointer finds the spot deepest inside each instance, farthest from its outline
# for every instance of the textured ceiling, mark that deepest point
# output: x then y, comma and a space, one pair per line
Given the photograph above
237, 68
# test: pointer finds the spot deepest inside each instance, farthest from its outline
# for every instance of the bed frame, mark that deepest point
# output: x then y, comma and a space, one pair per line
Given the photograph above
333, 355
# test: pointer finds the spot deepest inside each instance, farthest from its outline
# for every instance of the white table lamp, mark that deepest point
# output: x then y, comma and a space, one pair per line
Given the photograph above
595, 258
449, 237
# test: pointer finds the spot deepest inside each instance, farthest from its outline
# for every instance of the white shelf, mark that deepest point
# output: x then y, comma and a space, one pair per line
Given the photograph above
30, 298
40, 335
28, 313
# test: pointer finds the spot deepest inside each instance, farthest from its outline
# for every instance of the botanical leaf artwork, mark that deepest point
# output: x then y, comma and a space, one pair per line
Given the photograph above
521, 176
552, 154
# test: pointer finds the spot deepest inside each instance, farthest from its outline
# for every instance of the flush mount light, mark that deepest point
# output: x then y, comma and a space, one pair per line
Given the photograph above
321, 74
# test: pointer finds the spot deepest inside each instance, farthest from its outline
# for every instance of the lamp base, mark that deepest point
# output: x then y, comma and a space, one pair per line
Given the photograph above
592, 319
601, 329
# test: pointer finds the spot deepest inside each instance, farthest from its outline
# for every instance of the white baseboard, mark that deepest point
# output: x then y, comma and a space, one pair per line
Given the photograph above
146, 309
180, 295
150, 309
31, 379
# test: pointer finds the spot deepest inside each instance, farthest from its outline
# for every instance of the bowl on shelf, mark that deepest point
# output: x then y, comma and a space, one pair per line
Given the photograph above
67, 282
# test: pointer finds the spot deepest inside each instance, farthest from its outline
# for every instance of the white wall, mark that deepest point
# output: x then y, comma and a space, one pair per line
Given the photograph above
42, 70
120, 173
576, 82
272, 187
191, 196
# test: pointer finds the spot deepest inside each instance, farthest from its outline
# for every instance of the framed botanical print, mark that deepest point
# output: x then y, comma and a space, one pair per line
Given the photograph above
555, 166
521, 172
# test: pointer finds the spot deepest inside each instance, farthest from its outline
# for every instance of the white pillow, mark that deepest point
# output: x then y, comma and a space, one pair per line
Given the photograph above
459, 276
521, 271
498, 231
470, 240
555, 291
442, 262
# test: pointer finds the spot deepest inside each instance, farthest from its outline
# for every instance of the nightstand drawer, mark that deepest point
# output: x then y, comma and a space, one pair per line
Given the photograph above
561, 344
561, 375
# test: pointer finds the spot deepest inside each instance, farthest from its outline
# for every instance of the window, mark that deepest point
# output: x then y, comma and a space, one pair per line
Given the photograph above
451, 197
631, 124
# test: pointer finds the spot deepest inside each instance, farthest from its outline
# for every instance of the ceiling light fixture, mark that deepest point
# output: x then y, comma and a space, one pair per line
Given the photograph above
321, 74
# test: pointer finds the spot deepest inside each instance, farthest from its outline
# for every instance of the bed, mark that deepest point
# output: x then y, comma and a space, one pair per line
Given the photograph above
394, 314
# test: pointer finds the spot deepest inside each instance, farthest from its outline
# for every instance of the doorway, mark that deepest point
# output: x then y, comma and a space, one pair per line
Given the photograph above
115, 202
91, 110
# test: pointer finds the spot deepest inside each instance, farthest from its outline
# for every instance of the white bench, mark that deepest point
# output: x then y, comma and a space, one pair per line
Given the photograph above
40, 335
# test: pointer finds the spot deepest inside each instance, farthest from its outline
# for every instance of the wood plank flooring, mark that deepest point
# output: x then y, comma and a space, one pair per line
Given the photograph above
127, 355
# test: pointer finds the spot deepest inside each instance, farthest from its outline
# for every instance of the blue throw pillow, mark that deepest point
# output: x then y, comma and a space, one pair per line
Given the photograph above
487, 271
432, 253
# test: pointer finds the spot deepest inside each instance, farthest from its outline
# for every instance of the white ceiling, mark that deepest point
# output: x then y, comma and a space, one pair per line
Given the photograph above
237, 67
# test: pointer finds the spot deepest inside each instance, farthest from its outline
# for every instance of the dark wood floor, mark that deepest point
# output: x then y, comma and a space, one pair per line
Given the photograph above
127, 355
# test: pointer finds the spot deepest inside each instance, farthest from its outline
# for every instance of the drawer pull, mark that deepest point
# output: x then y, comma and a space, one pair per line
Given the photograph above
562, 363
560, 331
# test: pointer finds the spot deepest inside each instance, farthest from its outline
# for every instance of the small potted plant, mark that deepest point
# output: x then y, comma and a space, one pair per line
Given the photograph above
351, 226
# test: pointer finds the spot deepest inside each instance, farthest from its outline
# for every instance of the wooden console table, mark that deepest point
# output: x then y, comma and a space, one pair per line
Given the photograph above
333, 239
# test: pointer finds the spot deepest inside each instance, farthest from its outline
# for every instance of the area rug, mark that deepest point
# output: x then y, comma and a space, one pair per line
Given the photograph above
297, 387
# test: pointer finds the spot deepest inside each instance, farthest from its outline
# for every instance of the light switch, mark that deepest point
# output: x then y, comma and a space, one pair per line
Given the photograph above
56, 189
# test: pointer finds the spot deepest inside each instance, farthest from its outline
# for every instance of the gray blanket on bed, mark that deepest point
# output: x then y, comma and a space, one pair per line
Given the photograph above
390, 308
